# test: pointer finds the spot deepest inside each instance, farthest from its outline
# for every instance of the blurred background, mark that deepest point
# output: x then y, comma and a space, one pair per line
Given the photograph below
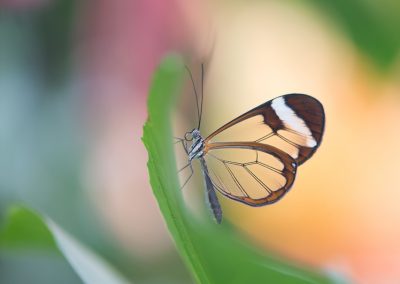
74, 78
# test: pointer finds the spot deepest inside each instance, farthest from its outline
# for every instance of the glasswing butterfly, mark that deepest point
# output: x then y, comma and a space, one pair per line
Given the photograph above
253, 159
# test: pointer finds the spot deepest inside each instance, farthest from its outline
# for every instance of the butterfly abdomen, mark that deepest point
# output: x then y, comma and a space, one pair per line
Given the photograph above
211, 195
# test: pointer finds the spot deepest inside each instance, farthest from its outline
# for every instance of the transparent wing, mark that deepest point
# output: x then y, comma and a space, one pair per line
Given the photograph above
252, 173
293, 123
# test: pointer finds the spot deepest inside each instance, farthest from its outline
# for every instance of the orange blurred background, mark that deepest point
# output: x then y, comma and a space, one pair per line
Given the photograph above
342, 212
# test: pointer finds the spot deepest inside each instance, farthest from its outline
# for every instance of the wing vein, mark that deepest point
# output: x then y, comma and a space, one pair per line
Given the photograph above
236, 180
289, 141
226, 161
265, 137
270, 168
258, 180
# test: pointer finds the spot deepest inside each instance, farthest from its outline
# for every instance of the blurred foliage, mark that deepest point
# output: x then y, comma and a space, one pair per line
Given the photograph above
26, 229
373, 26
55, 27
51, 28
213, 252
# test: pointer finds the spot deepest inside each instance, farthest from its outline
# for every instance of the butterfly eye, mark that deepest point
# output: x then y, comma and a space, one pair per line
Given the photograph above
188, 136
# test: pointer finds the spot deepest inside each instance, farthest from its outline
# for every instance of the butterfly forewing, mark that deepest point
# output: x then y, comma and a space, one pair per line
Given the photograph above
293, 123
249, 172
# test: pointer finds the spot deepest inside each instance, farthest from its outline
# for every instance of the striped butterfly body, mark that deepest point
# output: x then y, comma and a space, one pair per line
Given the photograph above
253, 159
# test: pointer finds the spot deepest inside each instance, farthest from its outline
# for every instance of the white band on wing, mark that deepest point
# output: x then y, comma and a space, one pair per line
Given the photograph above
293, 121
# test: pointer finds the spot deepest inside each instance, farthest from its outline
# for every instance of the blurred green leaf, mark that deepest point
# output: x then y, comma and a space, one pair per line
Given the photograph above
213, 252
54, 26
26, 230
374, 27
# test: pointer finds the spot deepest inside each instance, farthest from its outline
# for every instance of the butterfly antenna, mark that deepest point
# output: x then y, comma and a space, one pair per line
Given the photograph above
202, 94
195, 93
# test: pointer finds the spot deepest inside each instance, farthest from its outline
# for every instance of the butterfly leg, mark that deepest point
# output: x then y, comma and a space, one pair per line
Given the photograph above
185, 148
191, 174
183, 142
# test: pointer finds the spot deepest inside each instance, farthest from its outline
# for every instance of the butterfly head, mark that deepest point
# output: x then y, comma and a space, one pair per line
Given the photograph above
190, 135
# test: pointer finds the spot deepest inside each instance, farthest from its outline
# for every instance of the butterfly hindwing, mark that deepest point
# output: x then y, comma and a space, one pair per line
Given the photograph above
249, 172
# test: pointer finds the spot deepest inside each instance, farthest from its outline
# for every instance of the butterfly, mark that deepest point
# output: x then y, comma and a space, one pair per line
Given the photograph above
253, 159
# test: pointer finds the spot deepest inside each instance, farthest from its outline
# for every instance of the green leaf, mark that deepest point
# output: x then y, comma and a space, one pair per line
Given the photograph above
27, 230
213, 253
